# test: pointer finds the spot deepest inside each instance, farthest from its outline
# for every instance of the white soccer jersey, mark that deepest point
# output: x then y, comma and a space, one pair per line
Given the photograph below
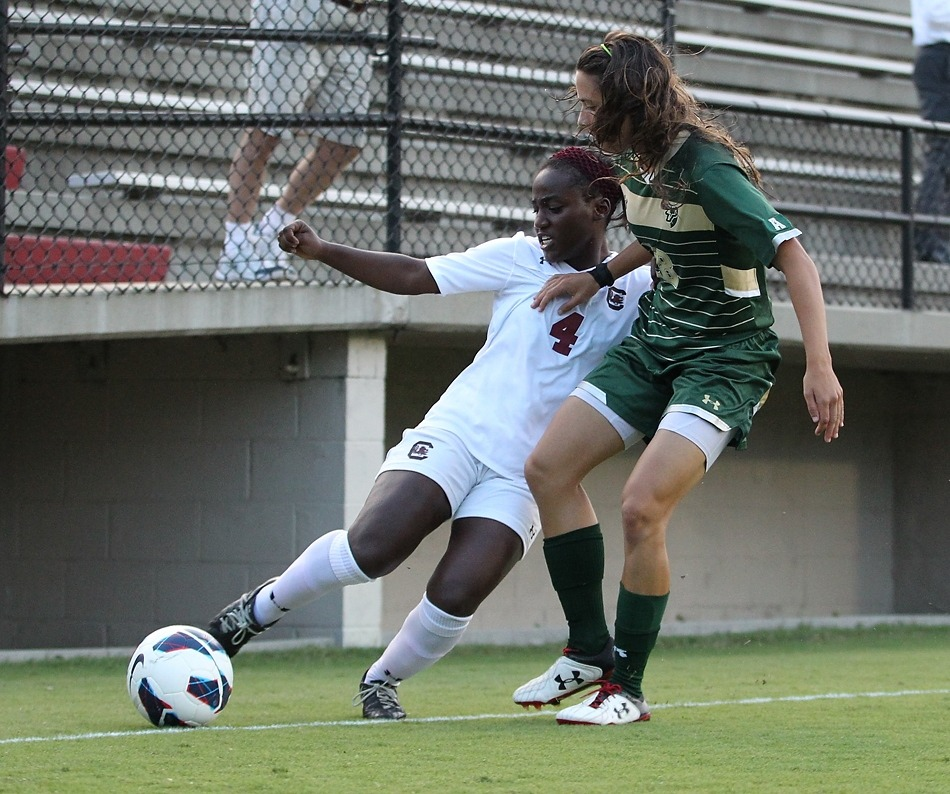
531, 360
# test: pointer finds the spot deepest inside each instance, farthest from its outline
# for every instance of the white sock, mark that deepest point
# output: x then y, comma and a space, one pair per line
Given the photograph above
275, 220
326, 565
426, 636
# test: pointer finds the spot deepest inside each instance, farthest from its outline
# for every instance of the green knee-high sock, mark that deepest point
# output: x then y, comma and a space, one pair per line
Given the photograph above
576, 564
637, 627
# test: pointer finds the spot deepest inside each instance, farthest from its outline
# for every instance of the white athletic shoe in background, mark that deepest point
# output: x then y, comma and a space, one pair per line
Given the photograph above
253, 257
273, 263
238, 259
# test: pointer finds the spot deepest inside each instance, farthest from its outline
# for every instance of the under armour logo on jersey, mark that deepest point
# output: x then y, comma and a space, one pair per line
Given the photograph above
672, 215
574, 679
532, 531
707, 400
420, 450
616, 298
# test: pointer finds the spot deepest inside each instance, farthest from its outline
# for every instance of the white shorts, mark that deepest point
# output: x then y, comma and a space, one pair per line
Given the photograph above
296, 77
705, 435
473, 490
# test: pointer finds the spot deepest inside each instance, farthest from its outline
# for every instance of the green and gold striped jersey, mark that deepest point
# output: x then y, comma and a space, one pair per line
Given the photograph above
712, 243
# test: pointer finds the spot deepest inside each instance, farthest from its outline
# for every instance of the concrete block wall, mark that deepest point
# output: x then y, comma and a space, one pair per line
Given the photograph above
922, 467
148, 482
151, 482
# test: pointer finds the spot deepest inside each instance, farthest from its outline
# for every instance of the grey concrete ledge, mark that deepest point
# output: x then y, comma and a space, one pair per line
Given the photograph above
104, 315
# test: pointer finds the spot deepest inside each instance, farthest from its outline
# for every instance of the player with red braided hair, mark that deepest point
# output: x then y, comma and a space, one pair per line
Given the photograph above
464, 462
599, 175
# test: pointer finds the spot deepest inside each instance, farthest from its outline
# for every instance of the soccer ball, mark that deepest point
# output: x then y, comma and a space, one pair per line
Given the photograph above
180, 676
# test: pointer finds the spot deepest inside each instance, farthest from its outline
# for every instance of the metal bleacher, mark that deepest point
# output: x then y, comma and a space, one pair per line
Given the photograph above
845, 69
502, 65
850, 54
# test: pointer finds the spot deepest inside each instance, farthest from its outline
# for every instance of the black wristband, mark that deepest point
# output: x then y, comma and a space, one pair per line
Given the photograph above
602, 275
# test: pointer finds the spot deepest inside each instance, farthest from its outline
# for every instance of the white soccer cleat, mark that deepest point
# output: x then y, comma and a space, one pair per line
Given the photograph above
570, 674
610, 705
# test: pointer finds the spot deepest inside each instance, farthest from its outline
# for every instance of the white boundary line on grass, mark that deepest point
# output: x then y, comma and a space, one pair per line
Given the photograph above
464, 718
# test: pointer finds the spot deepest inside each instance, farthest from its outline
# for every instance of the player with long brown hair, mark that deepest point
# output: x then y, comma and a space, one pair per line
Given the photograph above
688, 380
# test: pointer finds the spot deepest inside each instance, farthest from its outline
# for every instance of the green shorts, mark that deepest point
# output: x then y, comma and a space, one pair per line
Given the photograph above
726, 386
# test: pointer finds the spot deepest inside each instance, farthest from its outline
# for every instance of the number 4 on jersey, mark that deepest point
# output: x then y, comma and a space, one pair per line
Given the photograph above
565, 332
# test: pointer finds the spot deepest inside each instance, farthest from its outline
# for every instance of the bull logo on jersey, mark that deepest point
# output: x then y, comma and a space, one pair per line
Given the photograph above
420, 450
664, 268
672, 215
616, 298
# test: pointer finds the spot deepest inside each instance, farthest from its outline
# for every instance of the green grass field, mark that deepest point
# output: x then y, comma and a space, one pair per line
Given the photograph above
804, 711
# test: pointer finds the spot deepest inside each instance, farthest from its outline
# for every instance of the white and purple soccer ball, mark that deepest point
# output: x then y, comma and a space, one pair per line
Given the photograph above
180, 676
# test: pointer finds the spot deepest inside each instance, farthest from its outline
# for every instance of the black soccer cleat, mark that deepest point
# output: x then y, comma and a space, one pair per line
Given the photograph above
234, 625
380, 701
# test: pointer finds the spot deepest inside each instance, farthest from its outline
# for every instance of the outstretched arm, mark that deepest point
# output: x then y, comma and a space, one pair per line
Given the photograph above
578, 288
395, 273
823, 394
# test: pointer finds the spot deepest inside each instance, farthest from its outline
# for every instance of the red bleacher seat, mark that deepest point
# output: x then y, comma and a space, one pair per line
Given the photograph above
16, 166
42, 259
33, 259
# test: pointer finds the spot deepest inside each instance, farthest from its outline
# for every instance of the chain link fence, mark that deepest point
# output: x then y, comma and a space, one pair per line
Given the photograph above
156, 146
144, 132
